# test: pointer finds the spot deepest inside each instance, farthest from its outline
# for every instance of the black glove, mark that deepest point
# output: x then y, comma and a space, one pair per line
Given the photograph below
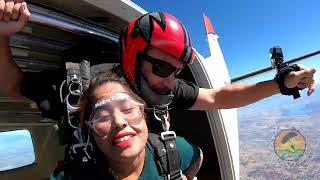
280, 81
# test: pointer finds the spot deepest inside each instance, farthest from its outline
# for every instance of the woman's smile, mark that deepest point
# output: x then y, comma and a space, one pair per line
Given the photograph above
123, 140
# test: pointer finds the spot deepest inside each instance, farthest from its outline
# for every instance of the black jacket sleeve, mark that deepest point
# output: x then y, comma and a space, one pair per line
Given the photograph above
185, 94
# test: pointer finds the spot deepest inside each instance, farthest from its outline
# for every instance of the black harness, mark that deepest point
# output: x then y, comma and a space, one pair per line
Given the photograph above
79, 147
167, 154
164, 151
95, 168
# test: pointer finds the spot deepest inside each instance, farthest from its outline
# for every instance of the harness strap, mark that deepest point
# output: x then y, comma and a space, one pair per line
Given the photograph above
79, 147
166, 155
173, 160
158, 151
85, 74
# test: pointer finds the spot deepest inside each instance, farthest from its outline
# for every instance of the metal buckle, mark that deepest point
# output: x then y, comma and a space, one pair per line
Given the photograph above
79, 145
165, 123
167, 133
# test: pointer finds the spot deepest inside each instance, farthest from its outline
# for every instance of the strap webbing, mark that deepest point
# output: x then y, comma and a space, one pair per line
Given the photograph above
165, 152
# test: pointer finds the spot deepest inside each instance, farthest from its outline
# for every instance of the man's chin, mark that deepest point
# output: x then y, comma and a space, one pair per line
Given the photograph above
162, 91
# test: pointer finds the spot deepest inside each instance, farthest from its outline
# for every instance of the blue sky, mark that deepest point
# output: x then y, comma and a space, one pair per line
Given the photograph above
248, 29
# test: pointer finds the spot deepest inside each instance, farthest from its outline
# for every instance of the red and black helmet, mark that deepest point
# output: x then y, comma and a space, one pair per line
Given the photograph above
159, 30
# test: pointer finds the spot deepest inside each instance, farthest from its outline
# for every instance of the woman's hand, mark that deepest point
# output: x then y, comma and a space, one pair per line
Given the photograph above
14, 15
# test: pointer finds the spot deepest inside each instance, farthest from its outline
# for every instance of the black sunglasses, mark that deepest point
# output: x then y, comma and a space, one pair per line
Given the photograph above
160, 67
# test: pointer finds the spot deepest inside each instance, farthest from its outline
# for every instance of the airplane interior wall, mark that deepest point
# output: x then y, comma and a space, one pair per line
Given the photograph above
47, 152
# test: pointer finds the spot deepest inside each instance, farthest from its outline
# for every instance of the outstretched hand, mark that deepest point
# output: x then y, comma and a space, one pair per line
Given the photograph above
301, 79
14, 15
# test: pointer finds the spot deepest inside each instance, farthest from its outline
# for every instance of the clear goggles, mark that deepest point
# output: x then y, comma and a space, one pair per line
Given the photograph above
107, 109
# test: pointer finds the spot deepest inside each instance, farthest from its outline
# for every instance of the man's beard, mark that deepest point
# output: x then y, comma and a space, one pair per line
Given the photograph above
160, 91
152, 98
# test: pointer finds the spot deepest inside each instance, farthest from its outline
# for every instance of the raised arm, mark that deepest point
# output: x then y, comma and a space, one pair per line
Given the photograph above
237, 95
13, 17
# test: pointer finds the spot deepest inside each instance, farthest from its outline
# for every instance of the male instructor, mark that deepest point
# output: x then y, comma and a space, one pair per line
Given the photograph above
154, 49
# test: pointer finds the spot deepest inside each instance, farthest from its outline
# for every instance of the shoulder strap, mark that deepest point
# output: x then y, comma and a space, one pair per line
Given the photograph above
164, 150
158, 151
77, 81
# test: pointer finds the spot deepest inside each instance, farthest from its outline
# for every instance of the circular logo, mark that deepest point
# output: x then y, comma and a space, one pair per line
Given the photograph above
289, 144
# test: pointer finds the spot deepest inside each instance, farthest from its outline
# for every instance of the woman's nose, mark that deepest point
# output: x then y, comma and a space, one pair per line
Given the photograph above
119, 120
